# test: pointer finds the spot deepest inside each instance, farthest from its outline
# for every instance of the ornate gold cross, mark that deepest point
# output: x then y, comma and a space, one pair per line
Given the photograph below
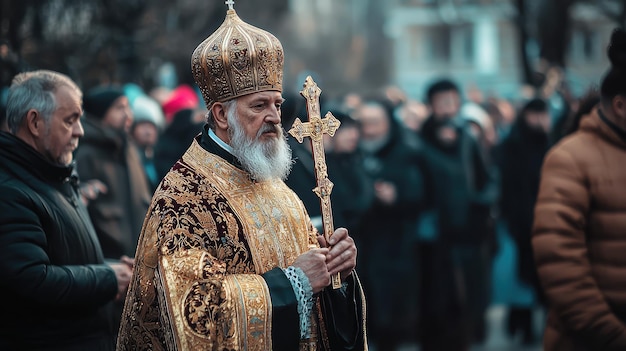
315, 128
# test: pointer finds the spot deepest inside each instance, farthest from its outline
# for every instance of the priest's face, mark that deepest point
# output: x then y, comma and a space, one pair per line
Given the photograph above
260, 113
256, 136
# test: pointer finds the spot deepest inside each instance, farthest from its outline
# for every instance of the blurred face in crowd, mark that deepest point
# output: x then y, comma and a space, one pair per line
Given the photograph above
352, 101
445, 104
538, 120
255, 134
346, 139
374, 122
119, 116
57, 137
4, 50
375, 126
145, 134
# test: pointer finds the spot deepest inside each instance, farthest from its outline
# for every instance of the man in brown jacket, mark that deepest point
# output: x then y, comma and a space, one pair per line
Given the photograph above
579, 233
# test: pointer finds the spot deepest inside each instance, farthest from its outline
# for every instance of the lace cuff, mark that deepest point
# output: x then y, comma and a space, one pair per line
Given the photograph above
304, 295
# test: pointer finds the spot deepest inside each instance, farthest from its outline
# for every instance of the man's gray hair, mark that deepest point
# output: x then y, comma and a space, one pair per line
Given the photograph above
34, 91
228, 105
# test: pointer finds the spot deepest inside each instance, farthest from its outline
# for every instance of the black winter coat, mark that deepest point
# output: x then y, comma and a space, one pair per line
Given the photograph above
520, 158
54, 286
174, 141
117, 215
386, 240
460, 185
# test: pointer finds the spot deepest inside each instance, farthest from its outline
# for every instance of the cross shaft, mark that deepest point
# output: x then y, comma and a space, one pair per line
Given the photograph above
315, 129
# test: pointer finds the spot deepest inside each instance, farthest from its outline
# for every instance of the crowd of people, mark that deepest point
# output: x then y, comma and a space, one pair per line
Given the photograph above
185, 218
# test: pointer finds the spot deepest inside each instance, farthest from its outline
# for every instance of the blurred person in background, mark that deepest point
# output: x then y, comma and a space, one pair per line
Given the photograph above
108, 155
54, 282
183, 97
148, 122
353, 191
462, 191
502, 123
579, 230
10, 65
520, 157
387, 242
475, 95
350, 102
394, 96
548, 84
413, 114
481, 125
184, 120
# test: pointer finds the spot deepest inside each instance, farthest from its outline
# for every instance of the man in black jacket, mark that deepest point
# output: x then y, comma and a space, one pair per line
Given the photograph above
388, 225
520, 159
54, 283
461, 191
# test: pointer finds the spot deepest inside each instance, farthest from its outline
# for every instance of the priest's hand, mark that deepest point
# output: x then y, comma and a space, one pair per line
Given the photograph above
313, 264
342, 255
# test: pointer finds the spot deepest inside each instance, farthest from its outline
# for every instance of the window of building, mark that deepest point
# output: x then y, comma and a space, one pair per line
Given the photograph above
439, 44
415, 44
589, 47
466, 33
584, 45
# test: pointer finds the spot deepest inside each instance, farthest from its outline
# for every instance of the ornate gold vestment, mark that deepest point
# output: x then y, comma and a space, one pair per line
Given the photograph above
209, 234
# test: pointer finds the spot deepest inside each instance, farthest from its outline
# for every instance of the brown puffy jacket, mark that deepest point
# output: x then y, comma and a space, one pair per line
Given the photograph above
579, 239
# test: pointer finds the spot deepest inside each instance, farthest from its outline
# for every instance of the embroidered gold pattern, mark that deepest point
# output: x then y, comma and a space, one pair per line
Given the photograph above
209, 233
275, 226
254, 319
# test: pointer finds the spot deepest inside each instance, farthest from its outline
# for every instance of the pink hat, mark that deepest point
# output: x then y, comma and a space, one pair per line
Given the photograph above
182, 98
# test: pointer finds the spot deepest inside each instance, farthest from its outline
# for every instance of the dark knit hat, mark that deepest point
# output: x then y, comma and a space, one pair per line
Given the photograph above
98, 100
613, 82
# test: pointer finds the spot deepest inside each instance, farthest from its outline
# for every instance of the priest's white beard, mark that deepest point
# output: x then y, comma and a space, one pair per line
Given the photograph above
262, 159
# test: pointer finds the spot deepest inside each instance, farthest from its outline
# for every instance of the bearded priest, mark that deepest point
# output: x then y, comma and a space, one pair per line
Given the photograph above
228, 258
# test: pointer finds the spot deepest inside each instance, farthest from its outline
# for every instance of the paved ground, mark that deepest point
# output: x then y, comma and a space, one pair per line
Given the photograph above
497, 338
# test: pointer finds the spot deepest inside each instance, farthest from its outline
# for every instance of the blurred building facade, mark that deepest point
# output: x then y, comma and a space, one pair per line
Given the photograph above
348, 46
341, 43
477, 43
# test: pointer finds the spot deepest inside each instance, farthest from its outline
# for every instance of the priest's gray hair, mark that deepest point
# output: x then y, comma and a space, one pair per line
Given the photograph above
228, 105
34, 91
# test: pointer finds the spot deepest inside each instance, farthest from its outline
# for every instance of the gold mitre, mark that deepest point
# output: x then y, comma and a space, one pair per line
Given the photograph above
236, 60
